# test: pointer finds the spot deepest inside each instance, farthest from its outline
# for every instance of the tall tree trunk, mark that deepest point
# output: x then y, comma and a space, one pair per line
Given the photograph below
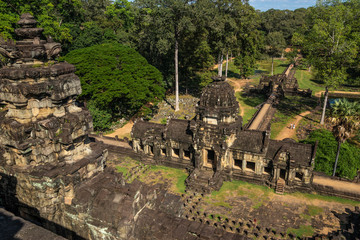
220, 65
337, 158
324, 107
176, 76
227, 63
272, 66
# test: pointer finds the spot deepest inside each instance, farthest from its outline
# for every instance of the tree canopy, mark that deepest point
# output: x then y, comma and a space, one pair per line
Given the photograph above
116, 79
330, 39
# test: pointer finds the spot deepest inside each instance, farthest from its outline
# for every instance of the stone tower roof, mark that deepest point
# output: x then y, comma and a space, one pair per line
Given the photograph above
218, 95
218, 101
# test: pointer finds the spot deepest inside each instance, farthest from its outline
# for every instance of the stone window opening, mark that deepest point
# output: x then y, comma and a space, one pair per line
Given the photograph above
176, 152
268, 170
299, 176
186, 154
250, 166
151, 150
238, 163
163, 151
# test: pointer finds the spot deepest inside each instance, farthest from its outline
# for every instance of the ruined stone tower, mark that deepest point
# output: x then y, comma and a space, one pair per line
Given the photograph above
44, 145
40, 120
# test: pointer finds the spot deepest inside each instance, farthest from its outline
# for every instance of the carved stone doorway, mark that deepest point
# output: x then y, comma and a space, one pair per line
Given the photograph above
282, 174
210, 159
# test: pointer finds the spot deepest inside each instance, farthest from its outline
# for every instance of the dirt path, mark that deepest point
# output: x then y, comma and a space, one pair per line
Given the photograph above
318, 94
339, 185
286, 132
224, 61
113, 142
122, 132
238, 85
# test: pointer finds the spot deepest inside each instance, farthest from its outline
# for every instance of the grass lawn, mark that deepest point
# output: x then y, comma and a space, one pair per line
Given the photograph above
258, 194
263, 68
305, 80
248, 104
287, 109
172, 177
303, 231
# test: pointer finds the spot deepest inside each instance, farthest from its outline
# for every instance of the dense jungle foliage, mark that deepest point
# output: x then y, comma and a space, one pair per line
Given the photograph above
184, 39
348, 164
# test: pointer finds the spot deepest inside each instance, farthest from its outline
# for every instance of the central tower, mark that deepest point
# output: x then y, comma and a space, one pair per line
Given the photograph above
215, 127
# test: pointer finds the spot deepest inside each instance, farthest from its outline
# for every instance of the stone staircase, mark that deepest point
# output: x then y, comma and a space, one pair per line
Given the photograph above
280, 186
204, 181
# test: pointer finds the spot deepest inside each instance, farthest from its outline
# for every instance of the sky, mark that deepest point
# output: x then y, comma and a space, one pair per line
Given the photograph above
264, 5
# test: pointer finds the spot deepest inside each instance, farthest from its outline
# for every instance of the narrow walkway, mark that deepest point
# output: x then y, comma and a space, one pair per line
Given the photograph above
286, 132
257, 121
338, 185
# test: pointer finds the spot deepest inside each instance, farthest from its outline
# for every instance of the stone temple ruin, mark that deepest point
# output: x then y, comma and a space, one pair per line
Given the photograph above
284, 84
216, 147
53, 174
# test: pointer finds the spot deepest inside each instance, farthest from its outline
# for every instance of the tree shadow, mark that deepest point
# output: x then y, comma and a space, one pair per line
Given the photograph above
232, 74
296, 105
253, 100
261, 72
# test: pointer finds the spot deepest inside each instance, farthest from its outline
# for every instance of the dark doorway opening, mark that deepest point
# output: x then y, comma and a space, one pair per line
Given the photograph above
282, 173
211, 158
151, 148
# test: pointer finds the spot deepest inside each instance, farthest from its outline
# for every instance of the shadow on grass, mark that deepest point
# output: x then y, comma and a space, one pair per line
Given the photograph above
258, 71
232, 74
296, 105
253, 100
283, 65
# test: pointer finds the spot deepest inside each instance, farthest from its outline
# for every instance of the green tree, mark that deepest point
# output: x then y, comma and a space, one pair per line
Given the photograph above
330, 43
246, 65
55, 16
165, 23
116, 79
275, 45
345, 117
